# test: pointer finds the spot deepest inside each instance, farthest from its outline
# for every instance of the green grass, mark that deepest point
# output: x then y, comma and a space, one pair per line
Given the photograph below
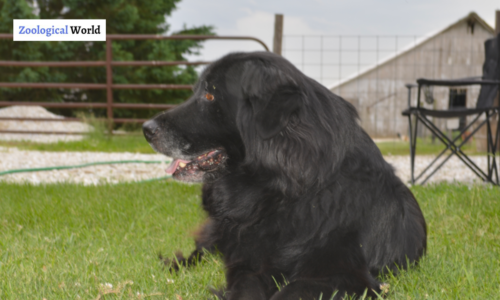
137, 144
424, 147
134, 143
463, 258
97, 140
68, 241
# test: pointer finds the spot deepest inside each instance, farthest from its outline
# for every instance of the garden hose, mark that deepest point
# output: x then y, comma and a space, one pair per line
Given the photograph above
89, 165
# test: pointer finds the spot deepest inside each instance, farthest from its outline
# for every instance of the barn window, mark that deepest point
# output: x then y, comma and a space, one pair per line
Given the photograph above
458, 100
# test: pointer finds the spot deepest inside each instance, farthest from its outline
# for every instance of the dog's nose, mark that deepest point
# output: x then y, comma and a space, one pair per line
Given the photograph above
149, 129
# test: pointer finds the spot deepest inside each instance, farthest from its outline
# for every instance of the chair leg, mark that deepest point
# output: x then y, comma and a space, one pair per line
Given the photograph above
450, 144
489, 145
496, 145
492, 144
413, 145
445, 140
463, 157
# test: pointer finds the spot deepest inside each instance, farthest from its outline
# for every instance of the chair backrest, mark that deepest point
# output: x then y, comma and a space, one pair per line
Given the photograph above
491, 71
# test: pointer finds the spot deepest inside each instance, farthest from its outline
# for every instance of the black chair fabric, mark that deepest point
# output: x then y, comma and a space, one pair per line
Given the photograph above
491, 71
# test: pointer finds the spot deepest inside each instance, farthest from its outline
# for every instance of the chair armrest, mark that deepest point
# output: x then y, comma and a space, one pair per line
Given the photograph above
409, 86
456, 82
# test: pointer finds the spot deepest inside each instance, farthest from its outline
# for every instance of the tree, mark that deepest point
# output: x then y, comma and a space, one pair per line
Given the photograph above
122, 16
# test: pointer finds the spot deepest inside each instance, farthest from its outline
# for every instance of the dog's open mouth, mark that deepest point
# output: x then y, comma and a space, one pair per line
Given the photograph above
193, 170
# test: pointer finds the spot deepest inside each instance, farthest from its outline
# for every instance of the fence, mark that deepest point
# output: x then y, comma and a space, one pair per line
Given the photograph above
368, 71
109, 86
371, 71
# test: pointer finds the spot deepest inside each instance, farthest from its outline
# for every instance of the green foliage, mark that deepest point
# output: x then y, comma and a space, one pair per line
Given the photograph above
99, 127
67, 241
122, 16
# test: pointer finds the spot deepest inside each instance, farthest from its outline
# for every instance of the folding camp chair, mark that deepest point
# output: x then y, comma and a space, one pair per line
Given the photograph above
490, 85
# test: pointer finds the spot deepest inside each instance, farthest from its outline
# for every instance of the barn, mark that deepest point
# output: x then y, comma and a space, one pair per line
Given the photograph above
379, 92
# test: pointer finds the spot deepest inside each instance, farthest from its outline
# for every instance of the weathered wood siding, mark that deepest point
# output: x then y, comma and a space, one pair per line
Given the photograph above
380, 94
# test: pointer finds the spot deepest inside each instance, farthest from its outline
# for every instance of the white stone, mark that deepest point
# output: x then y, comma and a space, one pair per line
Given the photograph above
38, 112
13, 158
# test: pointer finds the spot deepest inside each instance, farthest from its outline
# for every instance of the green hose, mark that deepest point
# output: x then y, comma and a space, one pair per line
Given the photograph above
154, 179
89, 165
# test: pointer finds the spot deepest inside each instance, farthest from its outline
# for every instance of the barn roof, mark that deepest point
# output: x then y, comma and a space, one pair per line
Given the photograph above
471, 18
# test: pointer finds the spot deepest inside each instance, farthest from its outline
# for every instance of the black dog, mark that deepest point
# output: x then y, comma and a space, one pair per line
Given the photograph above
300, 200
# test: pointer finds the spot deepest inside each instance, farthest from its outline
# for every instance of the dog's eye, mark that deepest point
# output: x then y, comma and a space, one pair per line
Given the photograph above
209, 97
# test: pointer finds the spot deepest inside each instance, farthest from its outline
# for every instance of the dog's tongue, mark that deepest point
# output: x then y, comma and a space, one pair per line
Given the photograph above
174, 164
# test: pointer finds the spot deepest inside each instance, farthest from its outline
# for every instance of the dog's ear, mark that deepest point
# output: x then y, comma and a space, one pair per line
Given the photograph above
273, 95
278, 108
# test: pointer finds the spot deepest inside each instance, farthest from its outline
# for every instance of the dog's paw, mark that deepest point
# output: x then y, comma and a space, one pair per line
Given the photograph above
173, 264
384, 289
219, 294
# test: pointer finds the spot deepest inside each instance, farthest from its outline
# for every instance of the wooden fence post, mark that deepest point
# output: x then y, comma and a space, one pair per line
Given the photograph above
278, 33
109, 82
497, 22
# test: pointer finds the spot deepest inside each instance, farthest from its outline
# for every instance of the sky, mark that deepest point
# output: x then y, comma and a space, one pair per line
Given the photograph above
320, 18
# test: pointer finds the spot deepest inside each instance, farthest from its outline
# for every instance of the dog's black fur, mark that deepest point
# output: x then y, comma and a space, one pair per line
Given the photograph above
300, 196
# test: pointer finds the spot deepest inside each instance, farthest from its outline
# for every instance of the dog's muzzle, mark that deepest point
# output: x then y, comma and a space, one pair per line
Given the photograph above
149, 128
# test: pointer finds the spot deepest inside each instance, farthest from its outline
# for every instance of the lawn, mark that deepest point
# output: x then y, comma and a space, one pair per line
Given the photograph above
136, 143
70, 241
424, 147
67, 241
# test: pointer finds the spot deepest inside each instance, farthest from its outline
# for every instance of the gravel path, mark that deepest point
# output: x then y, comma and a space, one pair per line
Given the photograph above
38, 112
12, 158
454, 170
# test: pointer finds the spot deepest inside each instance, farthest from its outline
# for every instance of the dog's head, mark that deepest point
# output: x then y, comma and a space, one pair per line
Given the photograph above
251, 110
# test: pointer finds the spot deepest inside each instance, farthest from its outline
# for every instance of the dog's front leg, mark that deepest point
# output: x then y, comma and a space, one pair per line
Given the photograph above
205, 242
179, 260
334, 288
243, 285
